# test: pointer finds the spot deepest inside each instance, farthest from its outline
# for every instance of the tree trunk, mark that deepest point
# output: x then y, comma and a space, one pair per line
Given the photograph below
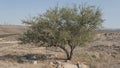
69, 55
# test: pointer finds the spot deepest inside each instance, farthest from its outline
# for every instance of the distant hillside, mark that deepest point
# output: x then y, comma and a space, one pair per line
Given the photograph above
11, 29
109, 31
18, 29
11, 32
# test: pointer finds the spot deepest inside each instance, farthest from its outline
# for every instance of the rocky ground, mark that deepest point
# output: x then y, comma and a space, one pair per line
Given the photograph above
103, 52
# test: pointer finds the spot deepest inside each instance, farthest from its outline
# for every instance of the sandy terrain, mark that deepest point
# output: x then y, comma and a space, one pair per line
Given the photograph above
103, 52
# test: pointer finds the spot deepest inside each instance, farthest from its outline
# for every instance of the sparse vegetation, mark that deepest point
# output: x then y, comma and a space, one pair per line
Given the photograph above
65, 27
64, 31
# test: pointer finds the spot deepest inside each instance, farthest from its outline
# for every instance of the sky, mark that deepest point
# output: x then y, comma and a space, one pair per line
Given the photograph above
13, 11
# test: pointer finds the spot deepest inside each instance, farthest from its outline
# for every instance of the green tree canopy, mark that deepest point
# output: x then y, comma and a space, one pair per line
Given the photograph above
63, 27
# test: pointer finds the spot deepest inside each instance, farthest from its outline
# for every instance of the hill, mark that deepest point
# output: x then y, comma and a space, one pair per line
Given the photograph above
103, 52
11, 29
11, 32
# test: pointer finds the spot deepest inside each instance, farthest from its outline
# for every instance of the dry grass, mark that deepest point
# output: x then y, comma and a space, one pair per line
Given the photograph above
102, 53
93, 58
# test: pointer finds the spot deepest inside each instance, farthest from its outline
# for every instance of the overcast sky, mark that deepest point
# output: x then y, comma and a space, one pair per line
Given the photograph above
13, 11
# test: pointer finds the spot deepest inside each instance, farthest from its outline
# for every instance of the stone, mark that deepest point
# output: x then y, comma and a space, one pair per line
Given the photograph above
59, 64
34, 62
83, 65
65, 65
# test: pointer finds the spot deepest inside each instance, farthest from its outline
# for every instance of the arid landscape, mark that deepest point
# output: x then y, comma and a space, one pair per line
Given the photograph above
59, 34
103, 52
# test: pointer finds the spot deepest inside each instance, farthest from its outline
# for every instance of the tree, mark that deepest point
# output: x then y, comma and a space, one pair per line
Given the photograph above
63, 27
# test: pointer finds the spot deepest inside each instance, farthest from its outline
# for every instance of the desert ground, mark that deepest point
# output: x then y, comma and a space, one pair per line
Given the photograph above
102, 52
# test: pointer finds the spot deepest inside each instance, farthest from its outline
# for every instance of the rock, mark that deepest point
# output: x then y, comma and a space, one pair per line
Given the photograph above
59, 64
51, 63
34, 62
78, 65
68, 65
83, 66
1, 39
65, 65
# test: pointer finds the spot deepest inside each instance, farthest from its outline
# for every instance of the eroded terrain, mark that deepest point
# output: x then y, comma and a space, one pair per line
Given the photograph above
103, 52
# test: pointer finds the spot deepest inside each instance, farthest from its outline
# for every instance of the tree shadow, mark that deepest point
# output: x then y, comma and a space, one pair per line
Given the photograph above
26, 58
60, 59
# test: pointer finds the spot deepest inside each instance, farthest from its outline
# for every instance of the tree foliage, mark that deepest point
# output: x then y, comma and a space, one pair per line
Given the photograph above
64, 27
